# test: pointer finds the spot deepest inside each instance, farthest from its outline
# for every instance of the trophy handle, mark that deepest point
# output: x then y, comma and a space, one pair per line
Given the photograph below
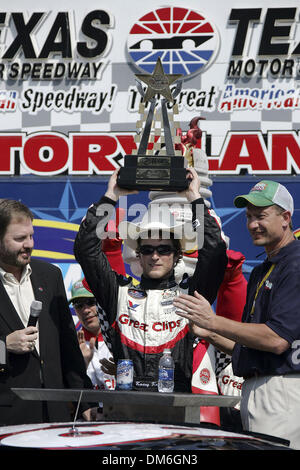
177, 89
140, 88
167, 130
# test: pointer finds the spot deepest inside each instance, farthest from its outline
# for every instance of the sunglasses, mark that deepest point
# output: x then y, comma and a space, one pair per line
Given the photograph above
160, 249
82, 303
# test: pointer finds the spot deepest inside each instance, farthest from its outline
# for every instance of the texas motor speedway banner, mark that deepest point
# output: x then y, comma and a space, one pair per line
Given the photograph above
69, 102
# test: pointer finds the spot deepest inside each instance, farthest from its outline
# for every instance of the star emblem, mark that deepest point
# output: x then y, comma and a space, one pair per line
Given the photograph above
158, 82
65, 210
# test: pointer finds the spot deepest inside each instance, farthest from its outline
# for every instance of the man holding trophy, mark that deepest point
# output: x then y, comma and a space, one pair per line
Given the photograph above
139, 320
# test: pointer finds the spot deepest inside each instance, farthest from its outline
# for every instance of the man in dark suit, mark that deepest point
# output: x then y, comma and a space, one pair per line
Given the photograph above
42, 356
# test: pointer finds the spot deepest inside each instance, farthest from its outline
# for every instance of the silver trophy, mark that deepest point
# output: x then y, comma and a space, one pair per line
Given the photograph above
156, 165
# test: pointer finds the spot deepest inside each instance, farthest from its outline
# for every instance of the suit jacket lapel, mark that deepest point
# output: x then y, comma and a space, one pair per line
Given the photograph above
8, 311
38, 285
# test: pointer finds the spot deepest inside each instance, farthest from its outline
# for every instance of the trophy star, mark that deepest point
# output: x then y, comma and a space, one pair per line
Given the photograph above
158, 82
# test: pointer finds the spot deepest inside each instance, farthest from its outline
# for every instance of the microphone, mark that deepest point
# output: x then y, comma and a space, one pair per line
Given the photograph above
35, 310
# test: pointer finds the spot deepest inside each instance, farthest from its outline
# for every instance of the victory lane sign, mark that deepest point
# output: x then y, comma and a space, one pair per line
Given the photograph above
163, 167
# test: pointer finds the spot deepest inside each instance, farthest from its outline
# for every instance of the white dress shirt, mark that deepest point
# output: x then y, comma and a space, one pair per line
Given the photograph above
20, 293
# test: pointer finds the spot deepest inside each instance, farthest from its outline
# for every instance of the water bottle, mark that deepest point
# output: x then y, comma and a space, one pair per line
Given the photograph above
166, 372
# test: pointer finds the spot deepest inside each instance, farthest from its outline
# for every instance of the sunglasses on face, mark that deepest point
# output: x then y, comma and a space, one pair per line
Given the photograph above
160, 249
82, 303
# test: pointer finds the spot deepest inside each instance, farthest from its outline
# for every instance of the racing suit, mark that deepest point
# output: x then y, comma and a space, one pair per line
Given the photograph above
142, 320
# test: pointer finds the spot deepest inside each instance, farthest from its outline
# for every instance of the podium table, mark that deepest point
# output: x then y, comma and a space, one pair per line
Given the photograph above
135, 405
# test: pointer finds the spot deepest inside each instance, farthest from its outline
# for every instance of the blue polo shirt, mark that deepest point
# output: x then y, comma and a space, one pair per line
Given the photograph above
278, 306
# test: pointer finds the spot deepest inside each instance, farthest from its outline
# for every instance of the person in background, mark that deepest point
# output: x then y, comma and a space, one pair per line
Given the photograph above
42, 356
100, 366
265, 345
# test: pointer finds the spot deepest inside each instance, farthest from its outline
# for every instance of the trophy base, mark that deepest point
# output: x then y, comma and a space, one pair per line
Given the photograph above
153, 173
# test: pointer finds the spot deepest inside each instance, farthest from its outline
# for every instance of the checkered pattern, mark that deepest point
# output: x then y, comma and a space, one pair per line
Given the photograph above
104, 328
222, 361
157, 137
119, 118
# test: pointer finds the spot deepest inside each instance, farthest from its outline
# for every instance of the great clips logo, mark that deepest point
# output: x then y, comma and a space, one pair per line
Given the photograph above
185, 41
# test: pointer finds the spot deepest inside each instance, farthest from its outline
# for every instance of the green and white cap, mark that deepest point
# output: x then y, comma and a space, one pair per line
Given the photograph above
267, 193
78, 291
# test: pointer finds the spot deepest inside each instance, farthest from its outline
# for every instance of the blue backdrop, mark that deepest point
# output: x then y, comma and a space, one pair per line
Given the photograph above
60, 203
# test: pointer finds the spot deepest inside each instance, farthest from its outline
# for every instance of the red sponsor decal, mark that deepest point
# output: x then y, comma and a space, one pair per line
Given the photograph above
204, 376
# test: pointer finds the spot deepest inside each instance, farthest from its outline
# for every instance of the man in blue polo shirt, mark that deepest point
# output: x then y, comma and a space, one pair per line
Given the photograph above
265, 346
